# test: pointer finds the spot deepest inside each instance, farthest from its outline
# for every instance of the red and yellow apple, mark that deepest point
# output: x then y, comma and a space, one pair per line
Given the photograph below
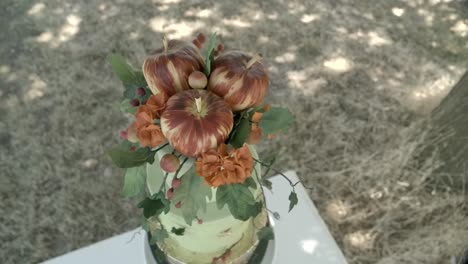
241, 80
167, 70
195, 121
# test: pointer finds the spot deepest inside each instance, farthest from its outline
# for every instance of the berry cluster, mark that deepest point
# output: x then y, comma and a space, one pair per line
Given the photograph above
201, 39
140, 97
175, 184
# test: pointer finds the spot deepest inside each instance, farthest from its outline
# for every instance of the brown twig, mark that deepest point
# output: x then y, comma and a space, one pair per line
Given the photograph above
254, 59
293, 185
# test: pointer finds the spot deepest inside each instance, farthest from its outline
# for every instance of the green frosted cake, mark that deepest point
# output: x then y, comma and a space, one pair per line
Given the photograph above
215, 234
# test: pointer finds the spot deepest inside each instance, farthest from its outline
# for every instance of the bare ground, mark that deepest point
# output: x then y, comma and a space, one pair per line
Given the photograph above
358, 75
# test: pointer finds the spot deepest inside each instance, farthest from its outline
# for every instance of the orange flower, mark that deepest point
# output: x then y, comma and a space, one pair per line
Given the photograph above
150, 136
220, 168
154, 106
143, 119
244, 158
255, 134
256, 117
255, 131
145, 131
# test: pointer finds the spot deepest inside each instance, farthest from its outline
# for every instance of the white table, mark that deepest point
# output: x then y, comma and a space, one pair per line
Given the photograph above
301, 237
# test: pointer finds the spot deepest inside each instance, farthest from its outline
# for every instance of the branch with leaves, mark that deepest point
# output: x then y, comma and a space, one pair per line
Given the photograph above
293, 199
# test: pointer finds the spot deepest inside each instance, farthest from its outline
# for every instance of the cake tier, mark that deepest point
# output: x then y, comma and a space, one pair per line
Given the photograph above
216, 232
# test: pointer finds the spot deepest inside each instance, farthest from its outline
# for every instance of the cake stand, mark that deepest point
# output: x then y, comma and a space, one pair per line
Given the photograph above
301, 236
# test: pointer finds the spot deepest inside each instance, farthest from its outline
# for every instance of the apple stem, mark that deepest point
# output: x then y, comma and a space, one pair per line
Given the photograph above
254, 59
198, 104
165, 43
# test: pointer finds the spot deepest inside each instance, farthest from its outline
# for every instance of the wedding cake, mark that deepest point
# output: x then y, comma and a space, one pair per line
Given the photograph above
215, 234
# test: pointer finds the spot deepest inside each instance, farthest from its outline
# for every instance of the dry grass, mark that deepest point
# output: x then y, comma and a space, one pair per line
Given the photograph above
358, 75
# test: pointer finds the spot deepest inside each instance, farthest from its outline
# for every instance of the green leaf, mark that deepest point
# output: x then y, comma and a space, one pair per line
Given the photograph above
192, 194
150, 157
292, 200
257, 208
123, 157
129, 91
239, 199
237, 119
266, 233
250, 182
130, 88
134, 181
126, 107
167, 205
277, 119
162, 197
141, 81
158, 236
241, 133
267, 183
270, 160
130, 77
178, 231
260, 108
276, 215
121, 68
209, 57
152, 207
